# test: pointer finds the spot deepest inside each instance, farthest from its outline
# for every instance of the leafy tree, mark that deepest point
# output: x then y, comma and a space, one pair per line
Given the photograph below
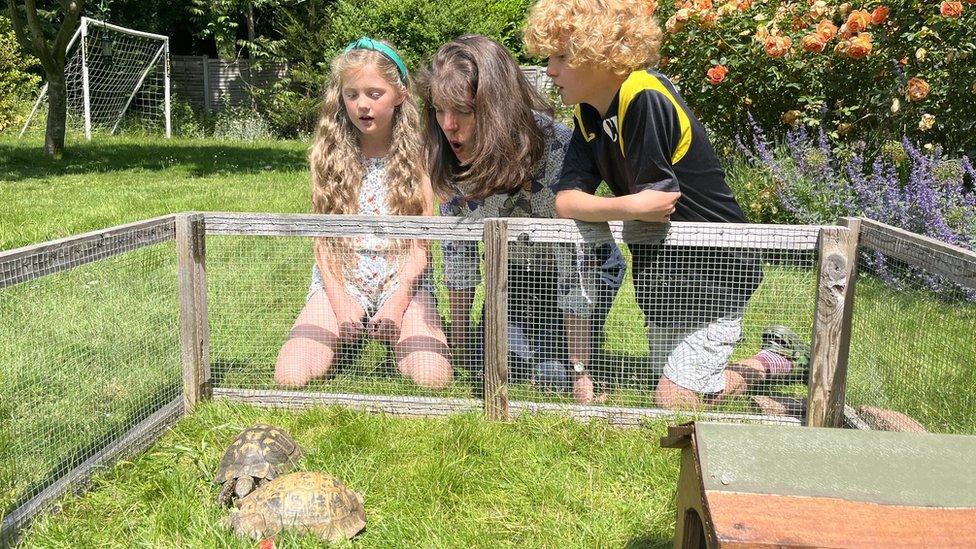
220, 19
35, 37
16, 79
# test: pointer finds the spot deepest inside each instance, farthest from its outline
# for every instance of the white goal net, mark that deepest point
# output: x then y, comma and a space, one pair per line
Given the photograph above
117, 79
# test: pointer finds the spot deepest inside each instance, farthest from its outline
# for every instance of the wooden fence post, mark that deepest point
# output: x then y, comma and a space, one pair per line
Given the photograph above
832, 319
206, 84
194, 328
496, 320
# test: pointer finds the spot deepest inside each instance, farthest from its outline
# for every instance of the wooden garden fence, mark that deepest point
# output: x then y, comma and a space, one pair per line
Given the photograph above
835, 248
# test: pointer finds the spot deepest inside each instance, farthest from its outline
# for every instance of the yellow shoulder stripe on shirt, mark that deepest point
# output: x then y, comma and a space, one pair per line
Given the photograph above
637, 82
589, 136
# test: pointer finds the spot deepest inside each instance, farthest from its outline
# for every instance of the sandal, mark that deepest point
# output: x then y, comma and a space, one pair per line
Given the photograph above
786, 343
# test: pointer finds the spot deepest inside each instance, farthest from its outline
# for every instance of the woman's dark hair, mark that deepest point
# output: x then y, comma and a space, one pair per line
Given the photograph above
475, 73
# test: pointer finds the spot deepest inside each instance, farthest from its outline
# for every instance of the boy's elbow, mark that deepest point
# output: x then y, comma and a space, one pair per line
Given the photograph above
562, 205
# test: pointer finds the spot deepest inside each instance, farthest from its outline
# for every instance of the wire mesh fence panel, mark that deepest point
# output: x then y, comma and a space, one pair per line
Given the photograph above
913, 354
703, 318
369, 317
86, 355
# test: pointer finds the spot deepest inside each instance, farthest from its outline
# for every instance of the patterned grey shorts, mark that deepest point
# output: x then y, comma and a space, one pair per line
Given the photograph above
695, 357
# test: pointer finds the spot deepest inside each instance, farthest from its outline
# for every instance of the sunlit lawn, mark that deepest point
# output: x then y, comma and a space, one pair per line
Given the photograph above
89, 352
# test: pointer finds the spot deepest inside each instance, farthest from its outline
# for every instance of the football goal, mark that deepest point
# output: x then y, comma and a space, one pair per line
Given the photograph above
117, 78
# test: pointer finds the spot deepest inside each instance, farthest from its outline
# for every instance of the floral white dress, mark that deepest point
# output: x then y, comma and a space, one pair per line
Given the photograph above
374, 279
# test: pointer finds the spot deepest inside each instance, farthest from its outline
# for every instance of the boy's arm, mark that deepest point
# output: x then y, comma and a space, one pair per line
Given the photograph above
648, 205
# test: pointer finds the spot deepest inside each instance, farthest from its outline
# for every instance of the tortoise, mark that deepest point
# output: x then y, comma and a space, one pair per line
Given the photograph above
259, 454
306, 502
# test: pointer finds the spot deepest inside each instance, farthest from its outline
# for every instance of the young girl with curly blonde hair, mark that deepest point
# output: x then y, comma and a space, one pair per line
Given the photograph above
367, 158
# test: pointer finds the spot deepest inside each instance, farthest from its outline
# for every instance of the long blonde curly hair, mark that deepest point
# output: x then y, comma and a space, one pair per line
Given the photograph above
337, 163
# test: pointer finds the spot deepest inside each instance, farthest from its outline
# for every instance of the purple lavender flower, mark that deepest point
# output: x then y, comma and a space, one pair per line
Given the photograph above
815, 185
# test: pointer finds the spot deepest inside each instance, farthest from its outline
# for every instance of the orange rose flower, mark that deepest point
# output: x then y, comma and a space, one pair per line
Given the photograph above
677, 21
951, 9
703, 5
716, 74
707, 20
841, 47
827, 29
844, 32
917, 89
743, 5
814, 43
818, 8
778, 46
879, 15
857, 21
650, 6
860, 46
727, 8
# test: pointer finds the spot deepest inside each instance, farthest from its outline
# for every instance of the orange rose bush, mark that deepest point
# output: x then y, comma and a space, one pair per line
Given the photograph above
864, 70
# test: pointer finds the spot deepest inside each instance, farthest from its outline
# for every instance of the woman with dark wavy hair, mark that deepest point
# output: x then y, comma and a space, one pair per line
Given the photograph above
495, 151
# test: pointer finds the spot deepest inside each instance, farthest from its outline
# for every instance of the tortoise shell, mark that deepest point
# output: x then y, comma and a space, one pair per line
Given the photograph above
259, 454
305, 502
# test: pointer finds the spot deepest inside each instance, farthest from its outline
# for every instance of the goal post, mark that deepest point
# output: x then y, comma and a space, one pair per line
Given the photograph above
116, 78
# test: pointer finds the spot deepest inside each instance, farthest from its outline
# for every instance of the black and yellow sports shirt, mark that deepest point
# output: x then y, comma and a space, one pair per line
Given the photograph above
649, 139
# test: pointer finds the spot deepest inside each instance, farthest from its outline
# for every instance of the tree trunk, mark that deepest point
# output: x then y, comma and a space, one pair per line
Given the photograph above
250, 28
57, 97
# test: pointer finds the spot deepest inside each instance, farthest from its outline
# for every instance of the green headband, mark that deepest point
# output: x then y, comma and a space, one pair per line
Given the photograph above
375, 45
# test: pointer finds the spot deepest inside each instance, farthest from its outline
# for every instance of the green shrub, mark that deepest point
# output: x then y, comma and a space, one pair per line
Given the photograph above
189, 121
241, 123
313, 32
755, 191
18, 84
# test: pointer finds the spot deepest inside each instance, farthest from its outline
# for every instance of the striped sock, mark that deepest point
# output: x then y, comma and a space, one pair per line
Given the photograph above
775, 364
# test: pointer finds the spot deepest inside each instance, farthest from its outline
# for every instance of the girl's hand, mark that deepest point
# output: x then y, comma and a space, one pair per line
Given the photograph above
350, 321
385, 325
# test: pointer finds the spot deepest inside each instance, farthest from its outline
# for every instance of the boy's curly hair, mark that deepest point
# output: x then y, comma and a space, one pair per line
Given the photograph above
619, 35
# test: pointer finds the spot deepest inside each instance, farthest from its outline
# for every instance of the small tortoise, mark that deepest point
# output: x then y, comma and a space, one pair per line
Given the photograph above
306, 502
257, 455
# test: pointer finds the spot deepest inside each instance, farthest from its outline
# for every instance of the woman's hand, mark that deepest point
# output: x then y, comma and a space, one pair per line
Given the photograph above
583, 391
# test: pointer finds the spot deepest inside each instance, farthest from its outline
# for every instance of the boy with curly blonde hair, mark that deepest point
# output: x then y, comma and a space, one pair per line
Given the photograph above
634, 131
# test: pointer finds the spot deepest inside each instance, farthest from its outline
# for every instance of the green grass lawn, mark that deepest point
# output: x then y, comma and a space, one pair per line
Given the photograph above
87, 353
118, 180
461, 482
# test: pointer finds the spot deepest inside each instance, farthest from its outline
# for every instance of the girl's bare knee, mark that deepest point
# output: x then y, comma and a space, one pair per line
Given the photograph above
298, 364
427, 369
